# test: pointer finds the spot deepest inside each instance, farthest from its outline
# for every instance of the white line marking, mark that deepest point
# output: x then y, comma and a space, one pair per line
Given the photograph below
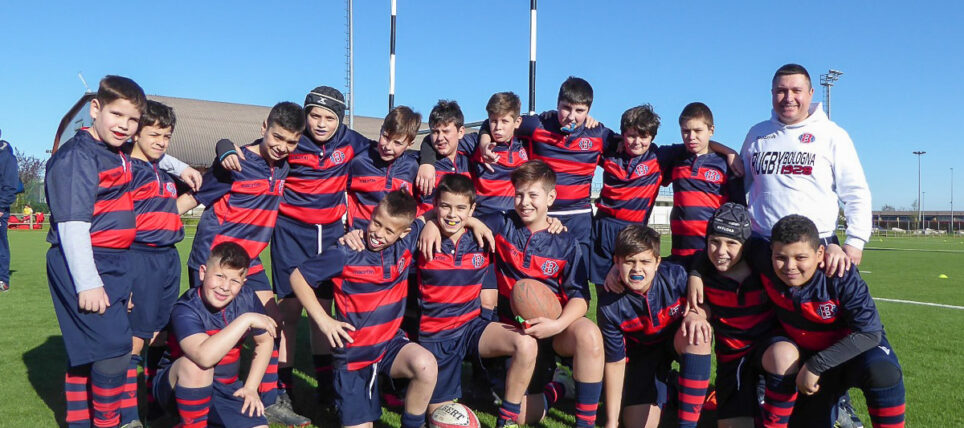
919, 303
920, 250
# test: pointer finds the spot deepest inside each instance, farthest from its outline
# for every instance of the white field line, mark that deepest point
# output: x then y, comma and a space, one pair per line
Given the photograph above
921, 250
939, 305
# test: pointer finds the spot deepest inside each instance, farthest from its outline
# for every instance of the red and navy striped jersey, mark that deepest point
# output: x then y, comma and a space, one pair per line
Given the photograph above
241, 207
370, 179
572, 156
315, 188
192, 316
740, 313
371, 289
825, 310
700, 185
630, 321
445, 166
450, 286
631, 183
554, 260
155, 206
494, 190
89, 181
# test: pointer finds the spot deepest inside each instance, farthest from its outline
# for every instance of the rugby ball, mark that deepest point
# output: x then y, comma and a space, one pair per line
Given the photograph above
453, 415
533, 299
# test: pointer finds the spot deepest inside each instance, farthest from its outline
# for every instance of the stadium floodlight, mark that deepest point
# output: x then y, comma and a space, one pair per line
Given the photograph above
920, 212
827, 80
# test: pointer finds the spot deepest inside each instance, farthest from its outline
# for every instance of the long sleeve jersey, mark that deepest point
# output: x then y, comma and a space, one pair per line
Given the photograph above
805, 169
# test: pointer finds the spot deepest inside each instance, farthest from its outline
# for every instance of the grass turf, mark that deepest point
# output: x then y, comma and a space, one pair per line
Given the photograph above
925, 338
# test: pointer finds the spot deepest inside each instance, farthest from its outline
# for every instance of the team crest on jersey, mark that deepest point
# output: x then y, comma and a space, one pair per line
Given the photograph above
523, 155
807, 138
713, 176
827, 310
642, 169
281, 185
337, 157
477, 260
675, 311
170, 189
585, 144
401, 265
550, 267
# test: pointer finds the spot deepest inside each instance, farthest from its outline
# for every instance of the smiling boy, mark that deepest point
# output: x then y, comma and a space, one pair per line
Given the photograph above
199, 373
838, 339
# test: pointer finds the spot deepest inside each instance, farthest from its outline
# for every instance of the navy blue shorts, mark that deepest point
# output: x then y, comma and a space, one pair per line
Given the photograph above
92, 337
225, 408
357, 392
737, 380
155, 285
604, 231
580, 227
449, 355
257, 282
648, 375
293, 242
821, 408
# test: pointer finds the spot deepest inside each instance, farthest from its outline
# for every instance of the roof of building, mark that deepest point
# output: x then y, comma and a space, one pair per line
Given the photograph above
200, 124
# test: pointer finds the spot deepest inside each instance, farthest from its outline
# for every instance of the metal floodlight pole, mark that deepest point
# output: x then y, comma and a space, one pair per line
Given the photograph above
920, 212
532, 56
391, 64
952, 201
827, 80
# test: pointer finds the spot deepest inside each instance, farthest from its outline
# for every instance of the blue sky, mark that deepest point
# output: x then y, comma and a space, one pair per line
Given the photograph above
901, 89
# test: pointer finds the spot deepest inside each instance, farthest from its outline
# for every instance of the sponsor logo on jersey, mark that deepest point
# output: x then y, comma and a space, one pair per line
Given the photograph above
337, 157
807, 138
585, 144
827, 310
523, 155
675, 310
550, 267
784, 163
713, 176
477, 260
642, 169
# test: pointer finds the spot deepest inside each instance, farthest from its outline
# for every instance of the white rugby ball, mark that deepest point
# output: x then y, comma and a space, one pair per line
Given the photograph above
453, 415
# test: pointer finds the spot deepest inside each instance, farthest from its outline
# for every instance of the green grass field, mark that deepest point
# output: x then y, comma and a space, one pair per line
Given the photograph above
927, 339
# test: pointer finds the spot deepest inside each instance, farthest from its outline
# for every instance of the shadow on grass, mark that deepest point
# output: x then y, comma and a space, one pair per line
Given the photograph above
45, 371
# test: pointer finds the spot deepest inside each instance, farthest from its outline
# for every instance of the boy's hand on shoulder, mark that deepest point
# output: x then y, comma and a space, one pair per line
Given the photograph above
591, 122
336, 331
735, 163
430, 240
252, 402
555, 226
483, 235
192, 178
696, 328
354, 240
425, 180
835, 261
94, 300
262, 322
232, 162
541, 327
613, 284
694, 292
486, 146
807, 381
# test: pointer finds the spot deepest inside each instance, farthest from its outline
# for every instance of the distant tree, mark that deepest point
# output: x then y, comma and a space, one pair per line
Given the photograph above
888, 207
32, 176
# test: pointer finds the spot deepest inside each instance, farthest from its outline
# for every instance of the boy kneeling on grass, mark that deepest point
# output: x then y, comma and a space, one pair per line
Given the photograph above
208, 327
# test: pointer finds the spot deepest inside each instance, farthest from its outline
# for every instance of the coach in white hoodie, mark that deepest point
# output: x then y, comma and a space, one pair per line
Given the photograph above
799, 162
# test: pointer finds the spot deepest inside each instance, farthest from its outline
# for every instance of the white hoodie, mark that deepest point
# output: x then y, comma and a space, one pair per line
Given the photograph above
805, 169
